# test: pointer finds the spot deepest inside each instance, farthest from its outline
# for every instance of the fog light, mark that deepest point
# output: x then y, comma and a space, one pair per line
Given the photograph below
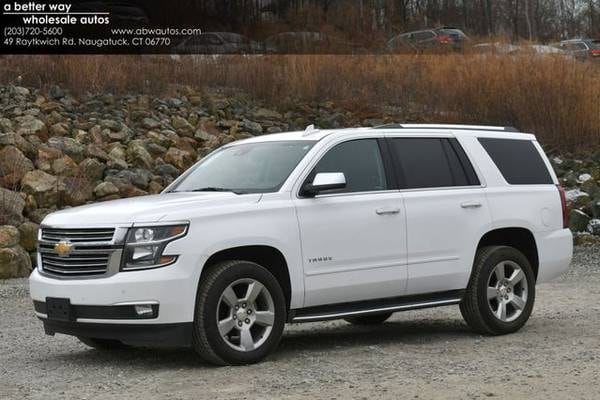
144, 310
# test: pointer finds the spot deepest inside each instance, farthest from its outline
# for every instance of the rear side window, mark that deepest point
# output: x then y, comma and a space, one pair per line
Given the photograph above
431, 163
518, 160
360, 161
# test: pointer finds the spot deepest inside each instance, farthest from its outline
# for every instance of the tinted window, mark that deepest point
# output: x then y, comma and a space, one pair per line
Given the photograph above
424, 35
518, 160
431, 162
361, 163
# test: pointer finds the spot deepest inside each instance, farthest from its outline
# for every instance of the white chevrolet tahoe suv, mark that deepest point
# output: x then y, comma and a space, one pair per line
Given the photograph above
350, 224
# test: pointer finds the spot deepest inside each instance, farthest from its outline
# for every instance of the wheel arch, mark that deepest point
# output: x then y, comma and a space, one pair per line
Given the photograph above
267, 256
520, 238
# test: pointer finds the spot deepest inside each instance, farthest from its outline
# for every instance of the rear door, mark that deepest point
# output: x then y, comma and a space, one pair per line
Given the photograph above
446, 211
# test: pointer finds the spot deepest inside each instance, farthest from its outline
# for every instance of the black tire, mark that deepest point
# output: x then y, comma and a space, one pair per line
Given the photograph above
475, 307
206, 339
102, 344
374, 319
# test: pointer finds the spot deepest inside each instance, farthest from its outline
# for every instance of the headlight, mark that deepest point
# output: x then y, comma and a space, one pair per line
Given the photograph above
145, 245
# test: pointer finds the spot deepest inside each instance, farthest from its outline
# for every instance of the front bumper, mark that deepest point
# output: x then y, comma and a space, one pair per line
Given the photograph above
172, 289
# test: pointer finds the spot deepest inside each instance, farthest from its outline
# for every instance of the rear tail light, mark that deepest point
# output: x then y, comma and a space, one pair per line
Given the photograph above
595, 52
444, 39
563, 203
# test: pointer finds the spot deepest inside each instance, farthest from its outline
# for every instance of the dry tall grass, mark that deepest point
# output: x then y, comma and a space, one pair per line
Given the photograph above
555, 97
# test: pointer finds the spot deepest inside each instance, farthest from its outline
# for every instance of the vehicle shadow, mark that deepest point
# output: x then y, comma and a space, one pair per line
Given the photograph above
320, 338
304, 338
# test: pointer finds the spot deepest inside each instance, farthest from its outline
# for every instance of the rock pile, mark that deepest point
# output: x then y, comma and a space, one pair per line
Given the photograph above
59, 150
581, 179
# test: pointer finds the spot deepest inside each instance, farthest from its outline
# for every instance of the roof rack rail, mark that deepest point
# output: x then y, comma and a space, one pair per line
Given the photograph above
446, 126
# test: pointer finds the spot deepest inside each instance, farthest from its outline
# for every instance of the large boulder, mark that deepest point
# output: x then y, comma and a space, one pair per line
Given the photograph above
59, 129
28, 235
96, 151
92, 169
69, 146
45, 188
594, 227
182, 160
13, 166
11, 207
182, 126
253, 127
29, 125
6, 125
264, 113
150, 123
46, 156
9, 236
65, 166
578, 221
167, 171
106, 189
138, 155
14, 262
77, 190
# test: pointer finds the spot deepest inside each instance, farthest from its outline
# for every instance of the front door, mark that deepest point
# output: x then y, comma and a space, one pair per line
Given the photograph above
353, 239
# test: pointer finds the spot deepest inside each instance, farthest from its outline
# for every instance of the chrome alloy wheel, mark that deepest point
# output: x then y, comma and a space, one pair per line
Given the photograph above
245, 314
507, 291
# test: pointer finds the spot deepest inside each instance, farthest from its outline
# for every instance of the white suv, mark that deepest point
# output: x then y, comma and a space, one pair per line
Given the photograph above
307, 226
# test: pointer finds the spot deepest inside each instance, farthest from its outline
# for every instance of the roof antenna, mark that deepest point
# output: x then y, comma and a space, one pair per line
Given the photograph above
310, 130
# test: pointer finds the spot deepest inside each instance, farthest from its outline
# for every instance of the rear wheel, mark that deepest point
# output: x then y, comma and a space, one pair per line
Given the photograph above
102, 344
501, 291
240, 314
374, 319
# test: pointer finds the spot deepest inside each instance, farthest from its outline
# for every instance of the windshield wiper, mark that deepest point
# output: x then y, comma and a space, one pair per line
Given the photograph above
217, 189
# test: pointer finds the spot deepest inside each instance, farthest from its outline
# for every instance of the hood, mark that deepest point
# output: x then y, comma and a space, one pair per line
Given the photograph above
152, 208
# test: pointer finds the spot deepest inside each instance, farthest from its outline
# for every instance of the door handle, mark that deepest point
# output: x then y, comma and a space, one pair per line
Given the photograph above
470, 204
387, 211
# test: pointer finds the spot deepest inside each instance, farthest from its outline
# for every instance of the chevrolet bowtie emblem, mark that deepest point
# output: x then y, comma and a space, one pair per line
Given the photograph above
63, 248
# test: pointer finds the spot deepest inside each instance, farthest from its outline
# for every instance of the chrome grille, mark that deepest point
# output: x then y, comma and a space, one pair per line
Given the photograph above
78, 235
90, 255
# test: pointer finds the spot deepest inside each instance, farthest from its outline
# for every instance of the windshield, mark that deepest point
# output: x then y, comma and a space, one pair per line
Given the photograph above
246, 168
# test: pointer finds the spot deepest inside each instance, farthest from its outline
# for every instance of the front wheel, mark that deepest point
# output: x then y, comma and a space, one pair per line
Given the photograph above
240, 314
501, 291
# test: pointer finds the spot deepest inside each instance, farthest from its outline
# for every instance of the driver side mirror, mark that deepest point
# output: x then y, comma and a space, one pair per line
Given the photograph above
324, 181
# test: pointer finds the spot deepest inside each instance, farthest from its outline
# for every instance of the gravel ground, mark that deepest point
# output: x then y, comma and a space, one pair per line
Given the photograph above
427, 354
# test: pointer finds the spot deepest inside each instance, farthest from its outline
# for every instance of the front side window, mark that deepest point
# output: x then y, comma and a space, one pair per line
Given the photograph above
246, 168
360, 161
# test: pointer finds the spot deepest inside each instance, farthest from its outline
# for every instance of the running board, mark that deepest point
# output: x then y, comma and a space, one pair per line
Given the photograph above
360, 308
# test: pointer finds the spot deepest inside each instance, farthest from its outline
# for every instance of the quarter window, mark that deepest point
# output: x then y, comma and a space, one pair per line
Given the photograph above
431, 162
360, 161
518, 160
